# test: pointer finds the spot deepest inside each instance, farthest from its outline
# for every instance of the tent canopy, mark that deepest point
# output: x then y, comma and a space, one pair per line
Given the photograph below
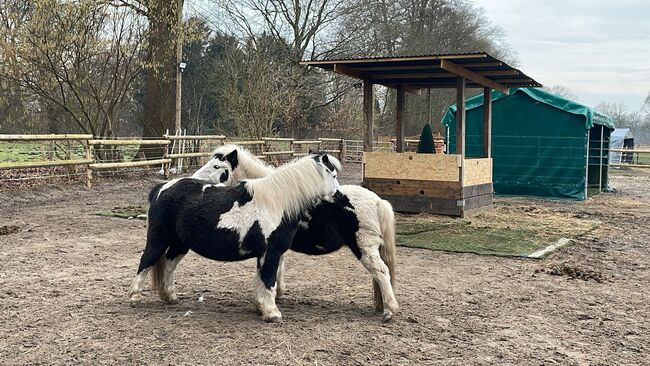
622, 134
591, 117
540, 143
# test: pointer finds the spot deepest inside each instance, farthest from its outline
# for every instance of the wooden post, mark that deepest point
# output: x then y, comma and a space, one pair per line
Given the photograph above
399, 124
166, 166
487, 122
368, 111
341, 150
88, 151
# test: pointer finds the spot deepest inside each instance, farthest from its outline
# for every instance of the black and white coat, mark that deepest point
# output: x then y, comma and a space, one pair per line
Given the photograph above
256, 218
356, 218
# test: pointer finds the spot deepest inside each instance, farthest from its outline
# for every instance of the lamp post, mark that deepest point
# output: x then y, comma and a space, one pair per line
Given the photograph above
179, 82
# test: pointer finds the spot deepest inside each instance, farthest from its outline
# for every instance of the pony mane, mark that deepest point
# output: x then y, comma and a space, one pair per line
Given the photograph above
291, 188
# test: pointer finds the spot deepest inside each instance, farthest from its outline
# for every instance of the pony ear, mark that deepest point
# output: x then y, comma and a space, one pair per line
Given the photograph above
232, 159
310, 151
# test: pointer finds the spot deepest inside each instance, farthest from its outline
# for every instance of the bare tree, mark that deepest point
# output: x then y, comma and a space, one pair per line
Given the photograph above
562, 91
79, 58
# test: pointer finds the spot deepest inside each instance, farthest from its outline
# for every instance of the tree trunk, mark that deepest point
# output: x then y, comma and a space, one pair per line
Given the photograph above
160, 76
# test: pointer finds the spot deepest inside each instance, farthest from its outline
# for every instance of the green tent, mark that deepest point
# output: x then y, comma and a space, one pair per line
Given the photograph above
542, 144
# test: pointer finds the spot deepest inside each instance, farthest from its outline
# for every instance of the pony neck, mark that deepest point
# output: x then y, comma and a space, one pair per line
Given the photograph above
289, 190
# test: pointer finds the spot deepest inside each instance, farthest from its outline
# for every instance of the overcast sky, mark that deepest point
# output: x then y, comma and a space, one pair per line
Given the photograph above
599, 49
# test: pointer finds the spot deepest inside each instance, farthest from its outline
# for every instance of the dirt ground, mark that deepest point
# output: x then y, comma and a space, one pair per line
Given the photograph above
64, 276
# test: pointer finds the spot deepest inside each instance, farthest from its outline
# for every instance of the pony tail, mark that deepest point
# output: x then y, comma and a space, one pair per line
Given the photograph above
387, 251
158, 274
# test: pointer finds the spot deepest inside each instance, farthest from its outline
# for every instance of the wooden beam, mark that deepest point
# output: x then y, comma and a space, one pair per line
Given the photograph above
129, 142
392, 59
130, 164
368, 111
460, 125
473, 76
344, 70
194, 137
425, 66
487, 122
441, 75
43, 164
399, 123
44, 137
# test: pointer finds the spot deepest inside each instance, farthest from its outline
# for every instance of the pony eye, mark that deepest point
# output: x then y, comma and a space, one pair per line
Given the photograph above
217, 167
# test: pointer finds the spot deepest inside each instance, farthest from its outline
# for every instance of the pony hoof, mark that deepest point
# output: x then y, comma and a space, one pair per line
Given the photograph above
387, 317
273, 319
135, 300
171, 299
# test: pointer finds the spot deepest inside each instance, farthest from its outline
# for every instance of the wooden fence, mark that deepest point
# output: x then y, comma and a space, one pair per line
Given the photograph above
639, 158
179, 152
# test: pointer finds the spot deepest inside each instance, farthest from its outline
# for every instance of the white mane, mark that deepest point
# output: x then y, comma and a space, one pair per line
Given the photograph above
291, 188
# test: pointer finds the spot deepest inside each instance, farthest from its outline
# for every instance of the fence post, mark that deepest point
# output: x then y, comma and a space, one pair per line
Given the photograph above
341, 150
166, 166
88, 151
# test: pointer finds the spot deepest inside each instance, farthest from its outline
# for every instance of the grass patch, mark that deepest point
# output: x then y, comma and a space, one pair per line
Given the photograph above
504, 231
128, 212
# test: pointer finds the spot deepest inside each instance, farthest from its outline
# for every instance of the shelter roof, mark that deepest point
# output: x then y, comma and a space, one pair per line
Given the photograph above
431, 71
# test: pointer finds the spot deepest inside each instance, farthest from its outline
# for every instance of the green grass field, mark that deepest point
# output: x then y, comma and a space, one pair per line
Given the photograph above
12, 152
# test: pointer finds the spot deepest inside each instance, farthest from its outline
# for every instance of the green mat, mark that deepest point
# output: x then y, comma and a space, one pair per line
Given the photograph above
517, 233
128, 212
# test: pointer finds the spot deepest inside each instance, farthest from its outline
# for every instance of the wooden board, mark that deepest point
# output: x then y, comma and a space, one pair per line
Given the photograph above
416, 204
477, 171
411, 166
478, 190
424, 188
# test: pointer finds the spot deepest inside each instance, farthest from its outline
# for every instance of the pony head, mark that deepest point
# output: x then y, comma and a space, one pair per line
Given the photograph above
243, 164
330, 167
218, 169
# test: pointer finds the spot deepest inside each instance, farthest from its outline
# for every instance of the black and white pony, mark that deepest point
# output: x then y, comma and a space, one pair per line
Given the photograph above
256, 218
358, 219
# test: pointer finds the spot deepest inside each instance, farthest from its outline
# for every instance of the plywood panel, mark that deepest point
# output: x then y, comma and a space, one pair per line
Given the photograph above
389, 165
416, 188
477, 171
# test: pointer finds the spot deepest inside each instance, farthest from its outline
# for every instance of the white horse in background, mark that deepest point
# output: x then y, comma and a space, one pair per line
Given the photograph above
358, 219
255, 219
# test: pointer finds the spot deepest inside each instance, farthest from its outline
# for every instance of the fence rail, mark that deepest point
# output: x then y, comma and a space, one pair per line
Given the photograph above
176, 152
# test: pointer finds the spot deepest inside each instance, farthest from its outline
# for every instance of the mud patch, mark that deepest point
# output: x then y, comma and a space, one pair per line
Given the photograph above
573, 272
9, 229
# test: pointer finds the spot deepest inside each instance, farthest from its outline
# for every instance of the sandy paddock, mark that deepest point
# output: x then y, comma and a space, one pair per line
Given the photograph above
64, 277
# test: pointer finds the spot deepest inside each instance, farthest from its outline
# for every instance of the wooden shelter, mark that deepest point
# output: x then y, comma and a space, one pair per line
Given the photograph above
447, 184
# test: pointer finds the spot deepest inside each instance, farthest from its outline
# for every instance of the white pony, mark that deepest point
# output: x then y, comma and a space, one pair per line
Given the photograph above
358, 219
254, 219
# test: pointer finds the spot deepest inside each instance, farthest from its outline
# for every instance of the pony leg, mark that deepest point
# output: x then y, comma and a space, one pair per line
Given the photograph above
372, 262
137, 285
152, 253
166, 288
266, 287
281, 286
